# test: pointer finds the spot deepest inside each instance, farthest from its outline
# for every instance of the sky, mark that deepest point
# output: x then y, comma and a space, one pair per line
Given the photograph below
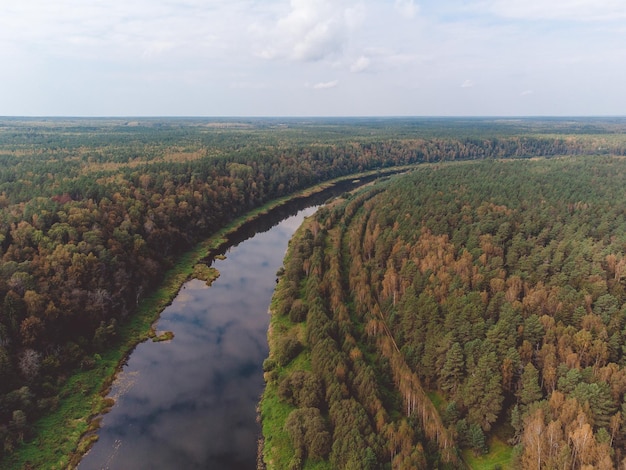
312, 58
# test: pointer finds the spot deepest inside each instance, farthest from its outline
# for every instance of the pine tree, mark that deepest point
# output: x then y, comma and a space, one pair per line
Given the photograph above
529, 391
477, 439
483, 392
451, 374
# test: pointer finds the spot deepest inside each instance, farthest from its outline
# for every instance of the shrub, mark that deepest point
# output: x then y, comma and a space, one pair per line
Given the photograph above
287, 348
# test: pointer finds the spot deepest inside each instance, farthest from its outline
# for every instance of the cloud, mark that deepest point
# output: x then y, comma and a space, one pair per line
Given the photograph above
313, 30
562, 10
360, 65
380, 60
407, 8
157, 48
211, 57
118, 29
526, 92
248, 85
326, 85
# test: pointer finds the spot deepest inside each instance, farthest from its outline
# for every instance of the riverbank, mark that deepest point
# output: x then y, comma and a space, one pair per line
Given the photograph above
62, 437
275, 447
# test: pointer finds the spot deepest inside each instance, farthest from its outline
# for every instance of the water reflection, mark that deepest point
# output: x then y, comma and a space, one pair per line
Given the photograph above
191, 402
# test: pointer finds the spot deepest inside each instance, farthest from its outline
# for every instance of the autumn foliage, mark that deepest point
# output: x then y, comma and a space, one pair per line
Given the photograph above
497, 286
93, 212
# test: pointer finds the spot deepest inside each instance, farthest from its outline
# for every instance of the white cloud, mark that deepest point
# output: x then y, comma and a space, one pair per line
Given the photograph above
569, 10
313, 30
116, 29
380, 60
206, 56
407, 8
157, 48
360, 65
325, 85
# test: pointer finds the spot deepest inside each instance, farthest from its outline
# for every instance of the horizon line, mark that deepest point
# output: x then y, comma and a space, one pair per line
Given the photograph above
373, 116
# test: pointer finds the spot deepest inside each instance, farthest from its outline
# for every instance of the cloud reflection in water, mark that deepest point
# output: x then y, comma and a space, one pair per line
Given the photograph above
191, 402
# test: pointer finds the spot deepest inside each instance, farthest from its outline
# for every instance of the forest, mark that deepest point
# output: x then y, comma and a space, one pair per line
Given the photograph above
453, 314
93, 213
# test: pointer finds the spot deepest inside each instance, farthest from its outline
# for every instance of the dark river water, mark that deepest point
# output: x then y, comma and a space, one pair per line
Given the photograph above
190, 403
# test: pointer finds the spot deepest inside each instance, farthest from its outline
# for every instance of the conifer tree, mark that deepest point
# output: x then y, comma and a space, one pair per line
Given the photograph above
529, 391
483, 392
451, 374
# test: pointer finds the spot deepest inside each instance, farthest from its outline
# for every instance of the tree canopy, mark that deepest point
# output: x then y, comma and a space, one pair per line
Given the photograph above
94, 211
495, 287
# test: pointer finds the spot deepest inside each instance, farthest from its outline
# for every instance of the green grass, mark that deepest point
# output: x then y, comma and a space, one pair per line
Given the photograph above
311, 465
500, 453
438, 400
277, 448
59, 432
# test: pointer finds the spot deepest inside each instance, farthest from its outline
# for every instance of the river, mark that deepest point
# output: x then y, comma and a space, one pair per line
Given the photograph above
191, 402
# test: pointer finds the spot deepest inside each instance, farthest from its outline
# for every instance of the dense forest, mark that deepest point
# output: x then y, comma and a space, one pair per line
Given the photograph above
93, 213
426, 321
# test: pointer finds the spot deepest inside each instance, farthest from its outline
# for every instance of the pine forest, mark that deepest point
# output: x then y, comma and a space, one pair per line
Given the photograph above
472, 307
463, 313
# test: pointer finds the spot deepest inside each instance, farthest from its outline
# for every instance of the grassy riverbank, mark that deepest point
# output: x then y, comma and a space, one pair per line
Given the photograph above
278, 450
63, 436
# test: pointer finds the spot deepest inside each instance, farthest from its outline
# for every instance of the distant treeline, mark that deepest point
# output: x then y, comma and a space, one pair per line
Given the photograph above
462, 304
92, 215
